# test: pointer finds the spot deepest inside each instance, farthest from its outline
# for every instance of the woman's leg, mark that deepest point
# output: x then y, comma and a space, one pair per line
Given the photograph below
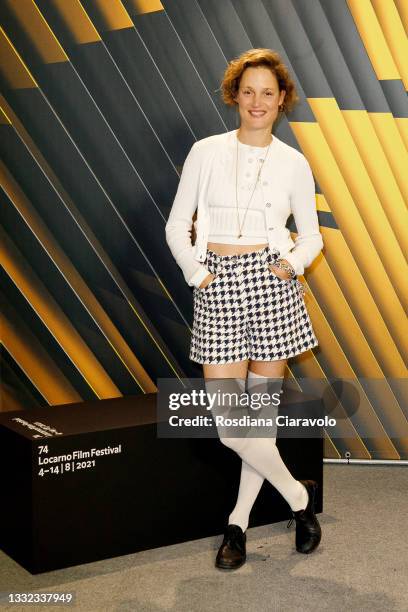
263, 456
251, 481
228, 379
260, 456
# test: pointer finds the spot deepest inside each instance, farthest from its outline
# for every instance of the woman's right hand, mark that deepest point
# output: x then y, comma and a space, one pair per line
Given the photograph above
207, 280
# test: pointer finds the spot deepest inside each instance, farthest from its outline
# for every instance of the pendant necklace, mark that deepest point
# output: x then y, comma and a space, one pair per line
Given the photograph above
241, 225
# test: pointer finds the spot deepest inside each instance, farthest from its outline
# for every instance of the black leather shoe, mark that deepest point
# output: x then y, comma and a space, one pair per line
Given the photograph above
232, 552
308, 530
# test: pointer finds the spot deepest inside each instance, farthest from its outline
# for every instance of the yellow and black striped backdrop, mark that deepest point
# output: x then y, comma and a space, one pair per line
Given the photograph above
101, 101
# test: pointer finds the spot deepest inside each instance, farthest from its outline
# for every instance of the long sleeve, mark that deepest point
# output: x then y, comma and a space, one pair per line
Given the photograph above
179, 224
309, 241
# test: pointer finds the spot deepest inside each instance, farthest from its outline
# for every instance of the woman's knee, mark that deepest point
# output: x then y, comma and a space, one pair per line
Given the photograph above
244, 445
236, 444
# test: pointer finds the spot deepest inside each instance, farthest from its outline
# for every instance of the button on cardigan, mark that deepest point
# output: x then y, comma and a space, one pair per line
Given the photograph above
289, 188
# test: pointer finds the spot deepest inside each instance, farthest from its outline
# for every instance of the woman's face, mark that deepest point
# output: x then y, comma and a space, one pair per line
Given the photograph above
258, 98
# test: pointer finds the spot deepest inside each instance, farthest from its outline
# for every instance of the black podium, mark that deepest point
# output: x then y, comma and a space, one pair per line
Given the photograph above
92, 480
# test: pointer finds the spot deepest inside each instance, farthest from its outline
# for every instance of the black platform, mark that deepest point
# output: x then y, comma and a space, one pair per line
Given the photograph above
153, 492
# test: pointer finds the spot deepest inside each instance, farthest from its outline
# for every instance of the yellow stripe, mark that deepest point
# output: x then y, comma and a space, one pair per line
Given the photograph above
394, 33
3, 117
35, 362
146, 6
402, 125
114, 14
12, 66
321, 203
373, 38
38, 31
402, 8
77, 21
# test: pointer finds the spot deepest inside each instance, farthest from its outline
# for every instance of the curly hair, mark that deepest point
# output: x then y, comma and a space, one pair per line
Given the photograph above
258, 57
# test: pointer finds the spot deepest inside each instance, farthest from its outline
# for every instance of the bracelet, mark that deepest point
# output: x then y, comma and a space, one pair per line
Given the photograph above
285, 266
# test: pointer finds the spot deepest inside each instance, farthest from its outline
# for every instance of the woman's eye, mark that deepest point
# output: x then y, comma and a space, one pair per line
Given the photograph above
268, 93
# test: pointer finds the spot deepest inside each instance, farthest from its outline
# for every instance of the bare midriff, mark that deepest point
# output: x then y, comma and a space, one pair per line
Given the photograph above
234, 249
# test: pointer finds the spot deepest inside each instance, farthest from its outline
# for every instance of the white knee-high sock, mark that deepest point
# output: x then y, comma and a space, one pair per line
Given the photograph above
251, 481
262, 455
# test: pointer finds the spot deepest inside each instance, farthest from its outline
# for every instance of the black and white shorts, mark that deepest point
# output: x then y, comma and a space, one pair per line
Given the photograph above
247, 312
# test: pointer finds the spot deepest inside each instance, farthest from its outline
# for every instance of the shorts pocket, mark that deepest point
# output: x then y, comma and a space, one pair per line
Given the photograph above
208, 287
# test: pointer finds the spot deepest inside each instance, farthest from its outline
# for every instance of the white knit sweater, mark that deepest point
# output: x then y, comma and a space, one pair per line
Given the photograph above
207, 184
223, 207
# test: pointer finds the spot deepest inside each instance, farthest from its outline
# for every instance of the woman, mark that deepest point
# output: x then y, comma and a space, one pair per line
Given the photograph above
249, 311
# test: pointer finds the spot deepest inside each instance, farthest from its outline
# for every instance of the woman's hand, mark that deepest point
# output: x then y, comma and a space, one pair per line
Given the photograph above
279, 272
207, 280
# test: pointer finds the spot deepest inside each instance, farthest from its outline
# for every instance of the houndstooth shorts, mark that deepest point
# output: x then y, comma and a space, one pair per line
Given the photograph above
248, 312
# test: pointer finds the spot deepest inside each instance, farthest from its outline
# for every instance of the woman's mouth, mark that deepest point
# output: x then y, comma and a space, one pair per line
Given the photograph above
257, 113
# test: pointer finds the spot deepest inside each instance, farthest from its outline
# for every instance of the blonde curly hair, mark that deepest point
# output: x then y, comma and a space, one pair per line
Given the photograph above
258, 57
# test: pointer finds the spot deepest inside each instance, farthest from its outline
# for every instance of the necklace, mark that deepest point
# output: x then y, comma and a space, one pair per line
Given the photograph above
241, 225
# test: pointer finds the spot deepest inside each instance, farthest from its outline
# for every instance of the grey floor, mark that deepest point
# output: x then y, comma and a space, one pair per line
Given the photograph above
361, 563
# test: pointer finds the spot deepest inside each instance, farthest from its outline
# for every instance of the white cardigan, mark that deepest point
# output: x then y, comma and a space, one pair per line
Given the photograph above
290, 189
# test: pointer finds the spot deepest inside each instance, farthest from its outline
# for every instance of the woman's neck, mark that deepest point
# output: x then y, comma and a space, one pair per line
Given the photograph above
255, 138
